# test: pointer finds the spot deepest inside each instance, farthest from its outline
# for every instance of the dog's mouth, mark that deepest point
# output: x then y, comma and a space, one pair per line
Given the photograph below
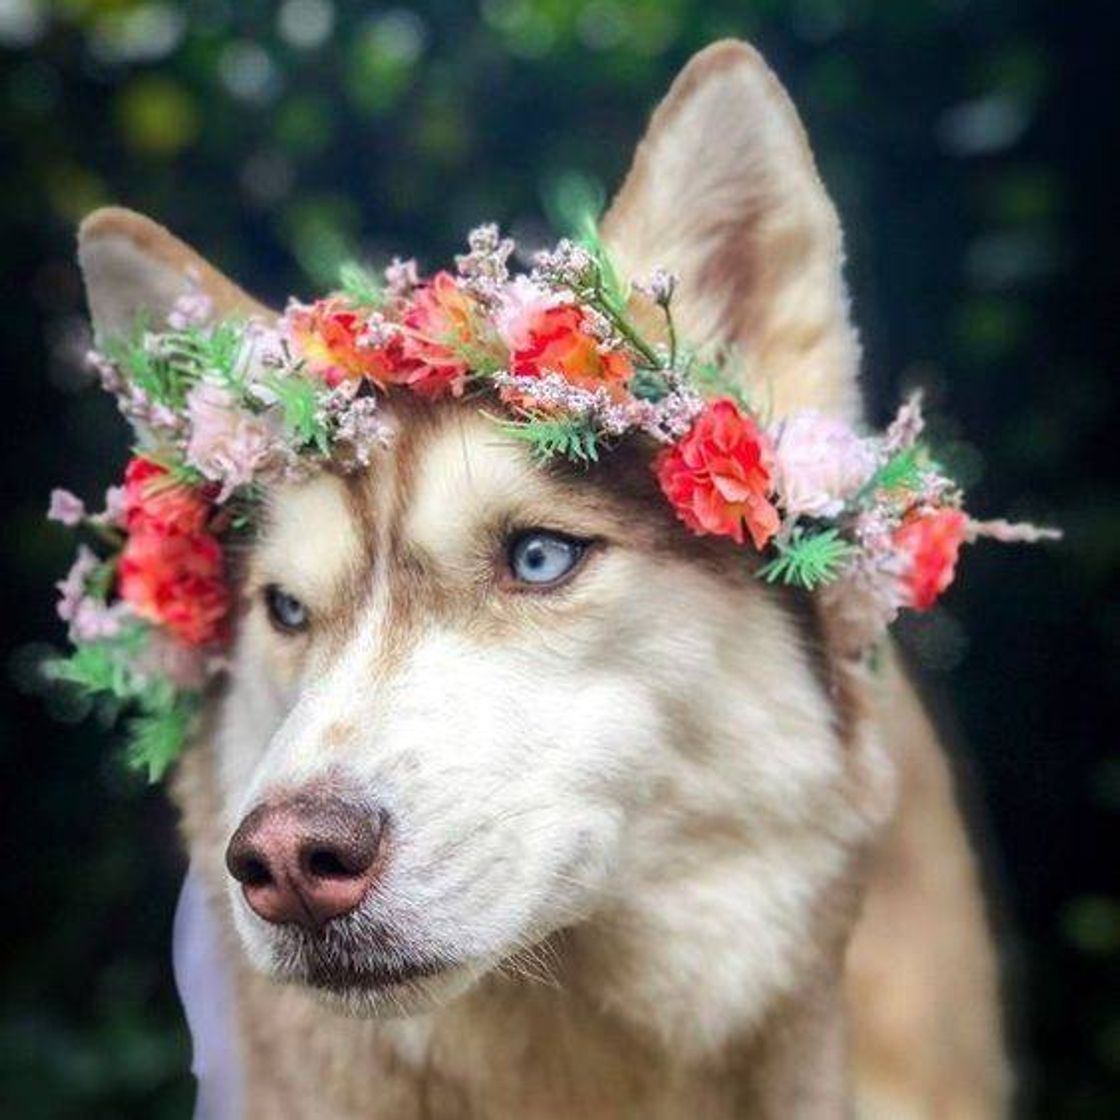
355, 956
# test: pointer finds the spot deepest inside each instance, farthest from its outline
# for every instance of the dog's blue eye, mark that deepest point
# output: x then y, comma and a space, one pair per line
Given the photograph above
285, 611
540, 558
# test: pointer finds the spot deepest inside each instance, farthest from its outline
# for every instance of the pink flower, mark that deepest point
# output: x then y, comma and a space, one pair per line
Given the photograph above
93, 621
191, 309
227, 444
113, 513
717, 476
66, 508
819, 464
442, 335
72, 589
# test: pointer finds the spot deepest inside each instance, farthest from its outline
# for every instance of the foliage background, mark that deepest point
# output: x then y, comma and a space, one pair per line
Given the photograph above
971, 146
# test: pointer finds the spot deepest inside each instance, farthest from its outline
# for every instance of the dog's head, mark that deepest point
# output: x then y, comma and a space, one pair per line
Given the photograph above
475, 702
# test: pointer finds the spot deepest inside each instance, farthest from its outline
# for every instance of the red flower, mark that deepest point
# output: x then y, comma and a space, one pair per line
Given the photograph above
717, 478
554, 340
441, 333
176, 581
931, 542
328, 336
154, 503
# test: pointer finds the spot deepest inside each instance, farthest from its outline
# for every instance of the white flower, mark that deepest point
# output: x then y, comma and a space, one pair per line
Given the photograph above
820, 463
522, 303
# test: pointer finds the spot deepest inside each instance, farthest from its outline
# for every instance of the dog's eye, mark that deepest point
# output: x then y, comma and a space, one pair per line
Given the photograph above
285, 611
539, 558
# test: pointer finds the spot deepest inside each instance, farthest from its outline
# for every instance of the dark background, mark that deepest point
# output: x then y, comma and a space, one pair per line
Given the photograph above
972, 151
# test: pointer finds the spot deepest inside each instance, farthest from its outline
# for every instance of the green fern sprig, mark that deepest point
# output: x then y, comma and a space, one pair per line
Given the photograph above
105, 672
809, 560
301, 405
361, 287
902, 471
549, 437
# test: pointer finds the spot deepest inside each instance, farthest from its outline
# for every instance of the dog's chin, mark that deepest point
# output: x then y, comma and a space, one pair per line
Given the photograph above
390, 993
360, 969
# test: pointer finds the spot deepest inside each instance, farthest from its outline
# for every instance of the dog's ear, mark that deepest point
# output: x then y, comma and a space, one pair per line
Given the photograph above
133, 266
724, 192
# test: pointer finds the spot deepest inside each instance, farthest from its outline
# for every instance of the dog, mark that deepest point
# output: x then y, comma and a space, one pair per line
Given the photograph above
654, 842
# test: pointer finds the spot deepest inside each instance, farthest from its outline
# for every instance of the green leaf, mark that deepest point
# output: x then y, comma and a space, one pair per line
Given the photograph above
712, 377
809, 560
548, 437
156, 738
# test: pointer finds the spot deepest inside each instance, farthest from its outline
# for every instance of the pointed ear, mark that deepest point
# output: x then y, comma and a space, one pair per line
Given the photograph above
131, 265
724, 192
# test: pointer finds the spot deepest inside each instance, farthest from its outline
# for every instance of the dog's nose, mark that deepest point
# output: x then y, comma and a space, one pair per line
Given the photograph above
306, 859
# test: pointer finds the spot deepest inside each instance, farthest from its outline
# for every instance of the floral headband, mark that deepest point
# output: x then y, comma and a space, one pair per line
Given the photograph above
221, 410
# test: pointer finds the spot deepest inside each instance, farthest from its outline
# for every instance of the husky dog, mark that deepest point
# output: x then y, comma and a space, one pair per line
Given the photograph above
645, 839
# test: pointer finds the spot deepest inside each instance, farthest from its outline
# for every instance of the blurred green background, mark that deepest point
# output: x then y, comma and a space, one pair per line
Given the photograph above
971, 147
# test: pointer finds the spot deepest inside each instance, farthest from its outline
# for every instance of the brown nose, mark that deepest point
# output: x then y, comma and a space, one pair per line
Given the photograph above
306, 859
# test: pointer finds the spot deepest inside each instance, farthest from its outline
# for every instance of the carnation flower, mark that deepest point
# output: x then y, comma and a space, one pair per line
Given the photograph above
329, 336
66, 508
929, 542
555, 339
717, 477
819, 463
175, 581
228, 444
441, 336
154, 502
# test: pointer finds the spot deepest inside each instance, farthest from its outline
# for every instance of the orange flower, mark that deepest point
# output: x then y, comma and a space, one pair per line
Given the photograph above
931, 542
328, 337
554, 340
717, 477
153, 503
441, 332
176, 581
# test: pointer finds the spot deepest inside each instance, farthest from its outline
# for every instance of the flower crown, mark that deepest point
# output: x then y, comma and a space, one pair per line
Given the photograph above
222, 409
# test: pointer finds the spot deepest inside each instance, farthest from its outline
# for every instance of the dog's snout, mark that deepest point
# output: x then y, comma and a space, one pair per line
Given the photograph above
306, 859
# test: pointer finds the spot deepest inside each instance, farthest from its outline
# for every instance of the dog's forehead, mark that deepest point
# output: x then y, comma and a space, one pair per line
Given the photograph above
461, 472
446, 472
449, 488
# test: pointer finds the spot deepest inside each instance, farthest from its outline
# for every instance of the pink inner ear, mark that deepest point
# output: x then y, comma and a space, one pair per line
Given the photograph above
724, 192
131, 265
